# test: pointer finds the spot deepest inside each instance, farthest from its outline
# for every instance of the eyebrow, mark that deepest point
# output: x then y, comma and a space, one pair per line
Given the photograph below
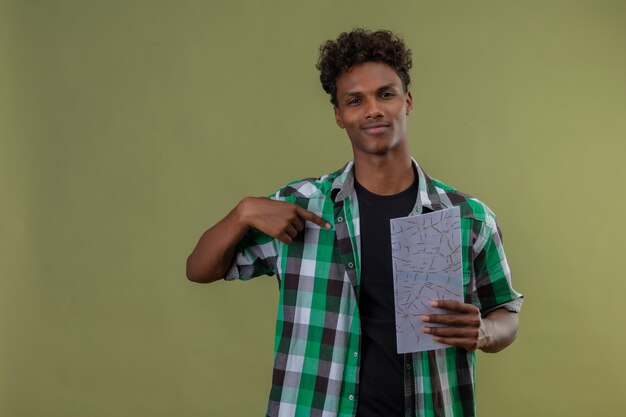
359, 93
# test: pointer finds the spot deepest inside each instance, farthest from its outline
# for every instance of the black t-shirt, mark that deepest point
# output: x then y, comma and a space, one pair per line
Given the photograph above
381, 384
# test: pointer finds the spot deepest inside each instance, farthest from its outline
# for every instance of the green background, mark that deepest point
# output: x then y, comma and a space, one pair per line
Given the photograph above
129, 127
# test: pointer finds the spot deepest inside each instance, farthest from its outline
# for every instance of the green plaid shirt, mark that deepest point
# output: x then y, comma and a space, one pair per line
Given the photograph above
318, 332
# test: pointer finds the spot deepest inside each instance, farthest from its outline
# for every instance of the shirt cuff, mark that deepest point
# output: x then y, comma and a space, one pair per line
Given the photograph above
514, 306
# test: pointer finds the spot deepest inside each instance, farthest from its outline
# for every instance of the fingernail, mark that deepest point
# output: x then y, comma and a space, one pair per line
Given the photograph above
425, 318
328, 225
433, 304
426, 329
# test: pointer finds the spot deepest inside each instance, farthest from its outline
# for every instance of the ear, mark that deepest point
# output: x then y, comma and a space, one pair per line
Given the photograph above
338, 117
409, 102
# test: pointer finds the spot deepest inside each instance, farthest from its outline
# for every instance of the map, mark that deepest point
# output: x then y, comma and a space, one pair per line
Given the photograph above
427, 265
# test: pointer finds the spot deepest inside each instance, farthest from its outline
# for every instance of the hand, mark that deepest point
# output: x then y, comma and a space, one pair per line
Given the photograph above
278, 219
462, 328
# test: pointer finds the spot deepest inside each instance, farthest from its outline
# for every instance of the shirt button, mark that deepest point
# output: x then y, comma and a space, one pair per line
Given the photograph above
351, 397
339, 219
356, 354
350, 264
408, 366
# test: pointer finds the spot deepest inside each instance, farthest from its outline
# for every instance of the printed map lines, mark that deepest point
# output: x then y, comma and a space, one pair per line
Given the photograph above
427, 265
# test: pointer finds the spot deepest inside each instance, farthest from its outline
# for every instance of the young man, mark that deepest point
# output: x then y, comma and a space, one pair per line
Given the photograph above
329, 243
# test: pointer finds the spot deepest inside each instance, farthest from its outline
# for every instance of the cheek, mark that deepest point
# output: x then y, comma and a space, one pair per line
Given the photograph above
401, 116
354, 131
349, 124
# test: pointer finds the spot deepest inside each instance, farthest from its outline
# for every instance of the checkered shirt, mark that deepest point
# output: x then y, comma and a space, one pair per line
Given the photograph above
318, 332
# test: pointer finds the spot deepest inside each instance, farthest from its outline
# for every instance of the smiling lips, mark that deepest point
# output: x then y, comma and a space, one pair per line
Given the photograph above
375, 128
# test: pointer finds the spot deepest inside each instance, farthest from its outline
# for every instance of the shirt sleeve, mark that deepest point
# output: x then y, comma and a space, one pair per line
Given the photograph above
493, 286
255, 255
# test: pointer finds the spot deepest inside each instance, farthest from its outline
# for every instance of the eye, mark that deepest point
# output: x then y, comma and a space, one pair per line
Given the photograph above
353, 101
387, 94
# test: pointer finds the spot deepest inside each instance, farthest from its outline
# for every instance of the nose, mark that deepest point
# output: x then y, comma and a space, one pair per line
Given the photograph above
372, 109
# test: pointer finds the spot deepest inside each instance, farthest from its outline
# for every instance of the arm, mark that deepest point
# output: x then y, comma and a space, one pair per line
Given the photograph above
501, 327
213, 255
465, 328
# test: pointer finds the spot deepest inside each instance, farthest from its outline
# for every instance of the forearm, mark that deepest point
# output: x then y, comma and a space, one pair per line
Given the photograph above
213, 255
499, 330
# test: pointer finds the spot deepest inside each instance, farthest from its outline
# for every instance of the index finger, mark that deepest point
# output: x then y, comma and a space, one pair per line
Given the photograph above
312, 217
453, 305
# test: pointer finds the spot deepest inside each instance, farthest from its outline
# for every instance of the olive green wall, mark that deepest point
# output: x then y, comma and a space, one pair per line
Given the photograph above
129, 127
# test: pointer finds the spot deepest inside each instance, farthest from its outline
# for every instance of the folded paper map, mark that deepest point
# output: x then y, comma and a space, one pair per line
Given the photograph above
427, 265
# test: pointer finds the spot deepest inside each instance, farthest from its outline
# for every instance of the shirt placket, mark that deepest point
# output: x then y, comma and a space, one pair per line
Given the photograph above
349, 394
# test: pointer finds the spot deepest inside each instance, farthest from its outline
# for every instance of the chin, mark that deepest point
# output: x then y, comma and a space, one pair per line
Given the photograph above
380, 148
379, 151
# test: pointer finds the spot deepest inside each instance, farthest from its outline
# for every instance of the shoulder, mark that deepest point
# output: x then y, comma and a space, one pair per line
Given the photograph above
471, 207
308, 187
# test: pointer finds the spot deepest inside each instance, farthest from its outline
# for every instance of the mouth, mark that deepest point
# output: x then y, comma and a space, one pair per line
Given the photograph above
375, 128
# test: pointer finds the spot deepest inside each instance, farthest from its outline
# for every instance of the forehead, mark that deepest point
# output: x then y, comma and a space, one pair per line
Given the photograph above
366, 77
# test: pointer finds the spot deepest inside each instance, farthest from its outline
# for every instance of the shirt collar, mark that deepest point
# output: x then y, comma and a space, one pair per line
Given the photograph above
343, 187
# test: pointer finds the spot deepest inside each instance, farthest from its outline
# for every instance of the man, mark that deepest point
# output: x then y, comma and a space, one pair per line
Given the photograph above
328, 242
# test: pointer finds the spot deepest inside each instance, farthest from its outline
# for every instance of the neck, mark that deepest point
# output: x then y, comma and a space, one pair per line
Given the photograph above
384, 174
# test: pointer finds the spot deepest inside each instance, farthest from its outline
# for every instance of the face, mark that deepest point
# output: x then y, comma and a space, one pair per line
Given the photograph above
372, 107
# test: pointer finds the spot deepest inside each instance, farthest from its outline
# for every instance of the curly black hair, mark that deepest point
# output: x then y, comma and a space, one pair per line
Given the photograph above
358, 47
